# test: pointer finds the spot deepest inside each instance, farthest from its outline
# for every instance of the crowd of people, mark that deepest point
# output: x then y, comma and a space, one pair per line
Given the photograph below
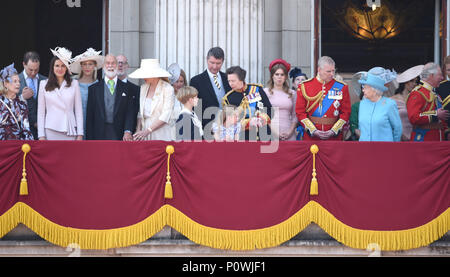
73, 103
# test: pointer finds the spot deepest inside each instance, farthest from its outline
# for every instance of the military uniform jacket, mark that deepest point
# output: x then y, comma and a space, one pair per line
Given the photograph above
422, 105
254, 103
323, 107
444, 92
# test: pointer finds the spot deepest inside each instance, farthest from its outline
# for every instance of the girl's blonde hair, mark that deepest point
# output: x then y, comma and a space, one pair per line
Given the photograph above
226, 111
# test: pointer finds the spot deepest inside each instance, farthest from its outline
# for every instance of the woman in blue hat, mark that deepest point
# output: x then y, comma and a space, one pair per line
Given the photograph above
379, 119
297, 77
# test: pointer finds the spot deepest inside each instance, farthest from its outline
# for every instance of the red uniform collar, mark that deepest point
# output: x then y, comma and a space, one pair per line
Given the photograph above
321, 81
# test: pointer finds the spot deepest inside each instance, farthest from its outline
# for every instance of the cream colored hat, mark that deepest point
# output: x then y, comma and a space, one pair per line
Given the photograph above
150, 68
64, 55
410, 74
89, 55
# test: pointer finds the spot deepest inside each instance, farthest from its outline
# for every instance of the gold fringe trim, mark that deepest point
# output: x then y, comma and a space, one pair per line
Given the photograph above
387, 240
91, 239
9, 220
238, 240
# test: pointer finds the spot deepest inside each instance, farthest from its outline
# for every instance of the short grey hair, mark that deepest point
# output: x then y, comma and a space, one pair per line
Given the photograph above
428, 70
325, 60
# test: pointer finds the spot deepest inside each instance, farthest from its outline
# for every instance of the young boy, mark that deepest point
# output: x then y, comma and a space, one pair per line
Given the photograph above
188, 126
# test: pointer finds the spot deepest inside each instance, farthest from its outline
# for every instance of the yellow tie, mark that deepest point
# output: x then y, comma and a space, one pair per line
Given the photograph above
111, 86
216, 81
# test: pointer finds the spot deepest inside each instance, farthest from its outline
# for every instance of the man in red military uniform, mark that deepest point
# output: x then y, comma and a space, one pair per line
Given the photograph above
424, 107
323, 104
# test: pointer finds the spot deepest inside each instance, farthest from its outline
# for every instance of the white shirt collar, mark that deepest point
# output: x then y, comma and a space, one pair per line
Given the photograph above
26, 76
184, 110
212, 75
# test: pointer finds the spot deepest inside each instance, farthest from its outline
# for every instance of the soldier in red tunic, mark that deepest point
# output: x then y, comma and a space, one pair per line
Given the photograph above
323, 104
424, 107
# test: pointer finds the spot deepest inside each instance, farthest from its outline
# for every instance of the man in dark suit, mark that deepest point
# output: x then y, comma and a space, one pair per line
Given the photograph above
444, 92
212, 85
110, 108
134, 90
30, 80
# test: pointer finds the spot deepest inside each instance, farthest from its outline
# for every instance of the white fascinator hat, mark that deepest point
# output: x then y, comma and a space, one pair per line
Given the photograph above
90, 55
64, 55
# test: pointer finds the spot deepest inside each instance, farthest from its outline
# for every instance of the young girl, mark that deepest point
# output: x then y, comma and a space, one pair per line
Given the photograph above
228, 126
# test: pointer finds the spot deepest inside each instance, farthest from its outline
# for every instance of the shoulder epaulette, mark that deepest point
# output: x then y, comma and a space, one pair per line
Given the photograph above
309, 80
416, 88
445, 81
225, 98
258, 85
340, 82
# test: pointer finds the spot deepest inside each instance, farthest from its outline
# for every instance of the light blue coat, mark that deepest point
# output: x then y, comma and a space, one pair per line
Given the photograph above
379, 121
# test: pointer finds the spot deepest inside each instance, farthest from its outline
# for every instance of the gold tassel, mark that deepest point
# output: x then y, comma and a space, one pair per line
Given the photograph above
23, 183
168, 191
314, 190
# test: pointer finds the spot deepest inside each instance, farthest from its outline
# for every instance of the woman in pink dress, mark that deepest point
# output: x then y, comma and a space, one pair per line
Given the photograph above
282, 98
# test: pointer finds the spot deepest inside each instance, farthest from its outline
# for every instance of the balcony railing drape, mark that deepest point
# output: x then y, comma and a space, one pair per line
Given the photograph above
103, 195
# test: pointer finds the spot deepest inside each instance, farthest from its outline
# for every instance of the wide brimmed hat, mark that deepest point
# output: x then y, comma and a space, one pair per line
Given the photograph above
65, 55
150, 68
373, 80
280, 61
174, 70
89, 55
410, 74
385, 74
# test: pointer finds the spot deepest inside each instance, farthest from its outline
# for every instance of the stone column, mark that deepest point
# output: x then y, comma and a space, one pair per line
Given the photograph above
287, 33
296, 41
147, 22
273, 34
124, 26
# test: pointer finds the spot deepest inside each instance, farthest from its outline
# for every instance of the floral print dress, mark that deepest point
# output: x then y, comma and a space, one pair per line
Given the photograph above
14, 127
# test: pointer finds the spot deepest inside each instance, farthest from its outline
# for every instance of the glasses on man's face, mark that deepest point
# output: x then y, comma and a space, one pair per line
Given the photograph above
122, 63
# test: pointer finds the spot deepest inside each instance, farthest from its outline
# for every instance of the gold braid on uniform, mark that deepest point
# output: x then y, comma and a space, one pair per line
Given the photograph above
446, 101
245, 122
432, 99
315, 99
309, 126
338, 126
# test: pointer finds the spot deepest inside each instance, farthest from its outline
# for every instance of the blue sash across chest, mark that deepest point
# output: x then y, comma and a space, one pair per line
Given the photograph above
253, 93
327, 102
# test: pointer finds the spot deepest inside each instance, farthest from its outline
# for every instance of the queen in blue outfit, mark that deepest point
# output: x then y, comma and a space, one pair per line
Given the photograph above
379, 119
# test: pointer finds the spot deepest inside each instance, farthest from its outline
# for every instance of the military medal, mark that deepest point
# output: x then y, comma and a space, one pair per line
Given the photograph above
335, 94
336, 104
